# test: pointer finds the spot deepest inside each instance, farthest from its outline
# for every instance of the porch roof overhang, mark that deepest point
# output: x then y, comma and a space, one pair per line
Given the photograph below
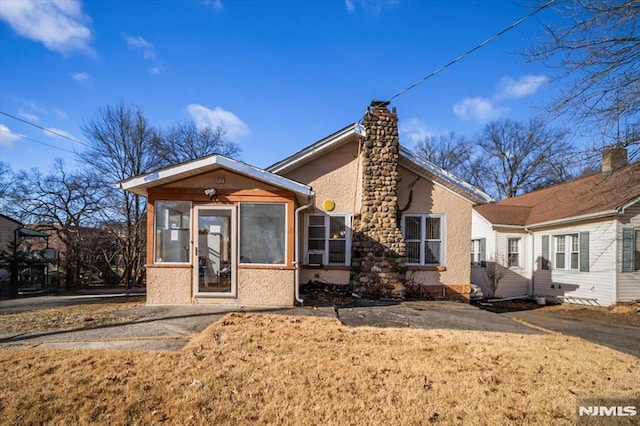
141, 184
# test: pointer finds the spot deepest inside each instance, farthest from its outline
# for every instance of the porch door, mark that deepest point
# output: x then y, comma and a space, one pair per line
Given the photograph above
214, 261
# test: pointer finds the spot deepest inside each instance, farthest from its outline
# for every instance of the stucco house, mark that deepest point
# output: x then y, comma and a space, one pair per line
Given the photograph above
354, 208
577, 241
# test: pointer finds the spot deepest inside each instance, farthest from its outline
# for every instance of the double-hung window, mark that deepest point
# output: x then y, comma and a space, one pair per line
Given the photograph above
424, 239
514, 251
567, 251
328, 239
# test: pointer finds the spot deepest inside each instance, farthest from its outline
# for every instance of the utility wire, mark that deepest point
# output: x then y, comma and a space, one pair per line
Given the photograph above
45, 129
37, 141
469, 52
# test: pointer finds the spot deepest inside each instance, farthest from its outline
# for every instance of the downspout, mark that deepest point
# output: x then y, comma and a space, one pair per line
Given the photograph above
533, 261
296, 243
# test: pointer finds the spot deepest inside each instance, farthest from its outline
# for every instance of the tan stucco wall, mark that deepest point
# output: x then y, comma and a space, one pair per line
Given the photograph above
333, 176
169, 285
429, 198
257, 287
270, 287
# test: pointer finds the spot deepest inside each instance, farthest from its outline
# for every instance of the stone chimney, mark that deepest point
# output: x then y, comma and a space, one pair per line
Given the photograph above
613, 158
378, 249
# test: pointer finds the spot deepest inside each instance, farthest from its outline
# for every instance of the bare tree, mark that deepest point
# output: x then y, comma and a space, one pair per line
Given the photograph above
60, 203
521, 157
453, 154
595, 46
186, 142
122, 146
495, 271
6, 182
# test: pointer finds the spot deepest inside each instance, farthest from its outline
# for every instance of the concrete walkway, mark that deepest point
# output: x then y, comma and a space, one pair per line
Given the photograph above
169, 328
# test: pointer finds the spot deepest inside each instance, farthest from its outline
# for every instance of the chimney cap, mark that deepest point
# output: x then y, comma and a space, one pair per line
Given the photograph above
379, 104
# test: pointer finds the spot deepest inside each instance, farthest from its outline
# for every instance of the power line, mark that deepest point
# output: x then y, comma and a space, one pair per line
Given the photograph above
45, 129
469, 52
37, 141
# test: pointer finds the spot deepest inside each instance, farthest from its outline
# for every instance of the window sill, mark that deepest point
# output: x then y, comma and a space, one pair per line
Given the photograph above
435, 268
328, 267
263, 266
168, 265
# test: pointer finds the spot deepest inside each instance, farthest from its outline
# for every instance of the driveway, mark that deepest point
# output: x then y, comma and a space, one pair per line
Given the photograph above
623, 338
171, 327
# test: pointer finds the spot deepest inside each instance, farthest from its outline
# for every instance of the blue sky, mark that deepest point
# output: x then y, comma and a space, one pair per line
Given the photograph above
277, 75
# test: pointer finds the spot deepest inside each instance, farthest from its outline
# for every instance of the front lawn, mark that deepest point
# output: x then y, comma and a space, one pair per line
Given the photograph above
279, 369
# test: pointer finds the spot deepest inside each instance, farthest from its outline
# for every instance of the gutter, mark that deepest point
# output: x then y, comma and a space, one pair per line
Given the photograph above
589, 216
296, 243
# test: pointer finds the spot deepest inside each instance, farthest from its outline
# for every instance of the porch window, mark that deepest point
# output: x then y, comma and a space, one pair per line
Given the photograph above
328, 239
514, 251
263, 233
173, 231
424, 239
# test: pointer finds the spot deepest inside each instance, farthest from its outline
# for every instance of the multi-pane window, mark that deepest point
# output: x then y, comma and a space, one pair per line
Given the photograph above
263, 233
173, 231
424, 239
478, 251
567, 251
327, 239
514, 251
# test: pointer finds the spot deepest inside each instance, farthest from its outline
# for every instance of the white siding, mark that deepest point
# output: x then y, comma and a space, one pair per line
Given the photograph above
516, 282
598, 283
628, 282
517, 279
480, 228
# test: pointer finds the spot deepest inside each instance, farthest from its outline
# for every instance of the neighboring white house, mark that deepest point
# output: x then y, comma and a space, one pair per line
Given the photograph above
578, 241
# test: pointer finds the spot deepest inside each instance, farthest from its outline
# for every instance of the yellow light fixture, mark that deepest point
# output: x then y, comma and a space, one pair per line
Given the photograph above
328, 205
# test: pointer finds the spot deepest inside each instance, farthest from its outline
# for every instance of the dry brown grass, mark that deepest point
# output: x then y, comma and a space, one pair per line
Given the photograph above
621, 313
277, 369
69, 317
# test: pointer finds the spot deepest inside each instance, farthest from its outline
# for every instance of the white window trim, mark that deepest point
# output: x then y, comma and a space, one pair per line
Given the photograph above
325, 252
568, 250
519, 252
475, 252
423, 232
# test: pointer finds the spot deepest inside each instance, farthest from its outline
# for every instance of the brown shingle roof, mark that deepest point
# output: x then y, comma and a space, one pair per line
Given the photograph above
589, 195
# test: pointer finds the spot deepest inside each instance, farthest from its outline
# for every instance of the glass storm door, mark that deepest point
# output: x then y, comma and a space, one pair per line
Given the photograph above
214, 254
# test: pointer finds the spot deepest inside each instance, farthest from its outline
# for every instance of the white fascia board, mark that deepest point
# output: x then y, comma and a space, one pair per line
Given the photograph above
628, 204
300, 157
208, 163
564, 221
445, 175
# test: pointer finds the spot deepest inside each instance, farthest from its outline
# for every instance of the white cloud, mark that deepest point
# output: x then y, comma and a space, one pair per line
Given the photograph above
478, 109
51, 132
60, 25
155, 70
141, 45
60, 113
80, 77
216, 4
368, 6
29, 117
524, 86
218, 117
413, 129
7, 137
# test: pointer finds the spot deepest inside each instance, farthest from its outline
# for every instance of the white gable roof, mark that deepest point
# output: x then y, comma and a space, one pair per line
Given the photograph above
140, 184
